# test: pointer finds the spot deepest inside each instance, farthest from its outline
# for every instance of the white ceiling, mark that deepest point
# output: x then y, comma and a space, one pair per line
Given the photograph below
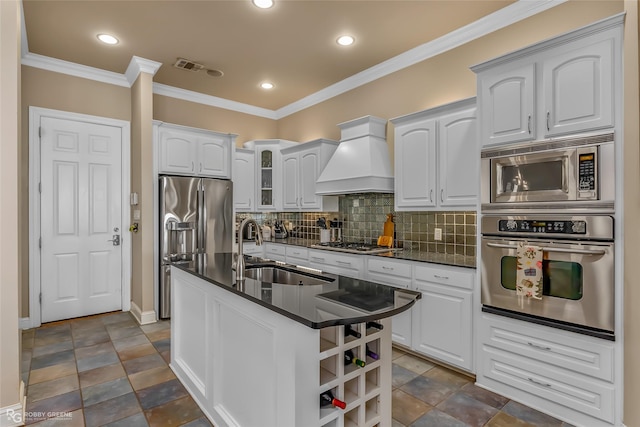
292, 44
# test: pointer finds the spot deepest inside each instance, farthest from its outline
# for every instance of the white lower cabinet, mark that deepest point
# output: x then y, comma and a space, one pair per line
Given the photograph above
337, 263
398, 274
443, 317
250, 248
297, 255
275, 252
565, 375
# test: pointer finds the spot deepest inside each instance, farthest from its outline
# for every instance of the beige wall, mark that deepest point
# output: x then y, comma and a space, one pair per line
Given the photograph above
438, 80
9, 172
632, 213
185, 113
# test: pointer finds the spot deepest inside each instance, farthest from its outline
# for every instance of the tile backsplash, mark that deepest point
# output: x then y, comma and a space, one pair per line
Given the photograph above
363, 217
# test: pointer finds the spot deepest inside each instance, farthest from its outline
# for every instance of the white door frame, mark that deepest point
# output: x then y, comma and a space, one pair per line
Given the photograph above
35, 114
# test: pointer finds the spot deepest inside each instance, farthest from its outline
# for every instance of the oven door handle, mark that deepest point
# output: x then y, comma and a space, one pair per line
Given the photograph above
545, 249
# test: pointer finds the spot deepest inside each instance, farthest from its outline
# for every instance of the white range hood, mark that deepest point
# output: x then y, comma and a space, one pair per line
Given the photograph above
361, 163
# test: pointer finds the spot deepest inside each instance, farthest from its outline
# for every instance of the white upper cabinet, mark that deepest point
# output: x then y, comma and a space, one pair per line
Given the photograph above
244, 180
301, 167
558, 87
507, 102
436, 158
195, 152
578, 87
269, 172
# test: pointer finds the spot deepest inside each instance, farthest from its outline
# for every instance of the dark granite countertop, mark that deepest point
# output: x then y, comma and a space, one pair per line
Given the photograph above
334, 300
404, 254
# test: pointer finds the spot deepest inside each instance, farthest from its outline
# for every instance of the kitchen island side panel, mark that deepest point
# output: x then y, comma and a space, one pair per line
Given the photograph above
246, 365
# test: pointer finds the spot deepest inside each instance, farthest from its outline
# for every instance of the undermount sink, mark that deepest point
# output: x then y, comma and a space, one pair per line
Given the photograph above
285, 276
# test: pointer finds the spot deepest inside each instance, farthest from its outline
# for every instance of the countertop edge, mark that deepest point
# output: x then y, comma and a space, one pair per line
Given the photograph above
307, 322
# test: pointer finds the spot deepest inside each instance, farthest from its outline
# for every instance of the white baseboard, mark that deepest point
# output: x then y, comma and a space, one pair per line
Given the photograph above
25, 323
13, 415
143, 318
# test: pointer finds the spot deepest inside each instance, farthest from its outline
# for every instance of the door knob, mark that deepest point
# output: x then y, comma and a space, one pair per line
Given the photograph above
115, 240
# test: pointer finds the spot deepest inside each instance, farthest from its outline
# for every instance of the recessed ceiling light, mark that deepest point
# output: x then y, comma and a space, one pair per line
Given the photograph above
263, 4
107, 38
345, 40
266, 85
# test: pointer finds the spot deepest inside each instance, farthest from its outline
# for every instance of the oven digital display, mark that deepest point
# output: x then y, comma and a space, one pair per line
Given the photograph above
547, 227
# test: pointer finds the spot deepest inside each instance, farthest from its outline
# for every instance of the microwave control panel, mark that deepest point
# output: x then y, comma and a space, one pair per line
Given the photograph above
587, 173
543, 227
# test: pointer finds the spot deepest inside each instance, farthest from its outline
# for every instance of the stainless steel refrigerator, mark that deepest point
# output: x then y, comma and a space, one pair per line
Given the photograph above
196, 217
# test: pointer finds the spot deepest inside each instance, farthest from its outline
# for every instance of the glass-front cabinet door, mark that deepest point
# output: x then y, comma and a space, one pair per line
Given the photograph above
266, 198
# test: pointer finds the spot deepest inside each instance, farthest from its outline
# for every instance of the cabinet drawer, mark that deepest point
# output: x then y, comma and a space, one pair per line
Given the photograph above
297, 254
557, 386
388, 272
250, 248
451, 276
343, 264
274, 252
580, 354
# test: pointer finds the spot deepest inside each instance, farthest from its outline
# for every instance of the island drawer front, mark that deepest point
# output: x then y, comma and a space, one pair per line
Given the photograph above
579, 353
535, 377
389, 272
444, 275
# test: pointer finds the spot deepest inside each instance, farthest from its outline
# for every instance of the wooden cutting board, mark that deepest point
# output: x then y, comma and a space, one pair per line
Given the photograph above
388, 226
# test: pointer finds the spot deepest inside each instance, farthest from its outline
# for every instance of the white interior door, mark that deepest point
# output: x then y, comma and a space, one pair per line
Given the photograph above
81, 264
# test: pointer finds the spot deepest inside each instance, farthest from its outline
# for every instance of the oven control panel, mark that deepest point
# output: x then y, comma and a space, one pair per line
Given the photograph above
546, 226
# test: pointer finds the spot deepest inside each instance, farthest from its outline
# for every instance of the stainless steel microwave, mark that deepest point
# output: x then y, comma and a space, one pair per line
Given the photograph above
561, 173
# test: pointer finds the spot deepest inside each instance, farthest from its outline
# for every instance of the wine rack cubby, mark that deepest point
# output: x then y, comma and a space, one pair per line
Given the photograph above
366, 390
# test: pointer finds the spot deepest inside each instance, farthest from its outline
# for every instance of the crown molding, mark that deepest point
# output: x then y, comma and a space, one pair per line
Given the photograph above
509, 15
140, 65
214, 101
73, 69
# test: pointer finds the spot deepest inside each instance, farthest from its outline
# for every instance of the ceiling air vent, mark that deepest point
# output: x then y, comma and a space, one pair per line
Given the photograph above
185, 64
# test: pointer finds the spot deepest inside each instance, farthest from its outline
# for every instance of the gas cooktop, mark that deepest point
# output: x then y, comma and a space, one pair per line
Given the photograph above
353, 247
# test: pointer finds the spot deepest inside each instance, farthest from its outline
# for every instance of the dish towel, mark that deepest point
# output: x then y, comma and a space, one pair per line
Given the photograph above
529, 271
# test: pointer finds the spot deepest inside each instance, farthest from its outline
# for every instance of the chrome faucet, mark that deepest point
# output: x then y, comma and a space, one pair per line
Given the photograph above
240, 262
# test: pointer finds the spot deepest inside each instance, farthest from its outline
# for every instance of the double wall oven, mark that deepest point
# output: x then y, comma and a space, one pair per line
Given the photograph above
557, 196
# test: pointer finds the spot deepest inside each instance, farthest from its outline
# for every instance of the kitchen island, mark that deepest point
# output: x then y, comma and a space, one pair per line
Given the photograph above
260, 353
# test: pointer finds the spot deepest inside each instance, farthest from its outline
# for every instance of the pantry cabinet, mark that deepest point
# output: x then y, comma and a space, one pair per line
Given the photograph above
268, 176
244, 180
193, 152
559, 87
301, 167
436, 158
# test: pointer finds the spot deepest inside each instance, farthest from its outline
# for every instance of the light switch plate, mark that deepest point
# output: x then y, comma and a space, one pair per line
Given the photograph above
437, 234
136, 214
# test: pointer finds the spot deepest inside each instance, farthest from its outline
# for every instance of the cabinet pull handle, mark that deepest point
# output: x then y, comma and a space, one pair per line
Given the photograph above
529, 124
387, 268
315, 258
548, 117
437, 276
539, 383
539, 347
431, 195
442, 195
192, 166
343, 263
200, 167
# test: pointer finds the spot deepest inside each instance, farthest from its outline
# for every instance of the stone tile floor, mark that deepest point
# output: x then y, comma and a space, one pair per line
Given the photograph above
108, 370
